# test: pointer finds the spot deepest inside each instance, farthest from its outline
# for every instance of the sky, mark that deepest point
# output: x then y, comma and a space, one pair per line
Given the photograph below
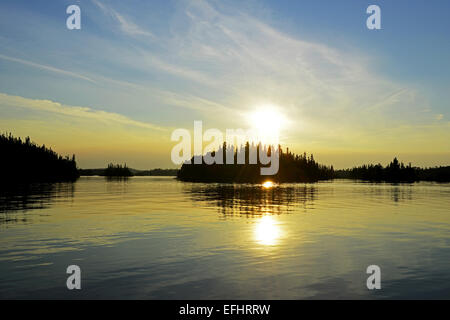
115, 90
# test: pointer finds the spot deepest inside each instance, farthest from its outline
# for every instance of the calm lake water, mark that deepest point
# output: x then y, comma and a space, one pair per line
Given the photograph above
158, 238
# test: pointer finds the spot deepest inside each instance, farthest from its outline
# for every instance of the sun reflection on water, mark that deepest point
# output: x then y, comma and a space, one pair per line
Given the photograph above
267, 184
267, 231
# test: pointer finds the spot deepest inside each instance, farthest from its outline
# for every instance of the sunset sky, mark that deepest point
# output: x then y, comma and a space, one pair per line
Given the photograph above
116, 89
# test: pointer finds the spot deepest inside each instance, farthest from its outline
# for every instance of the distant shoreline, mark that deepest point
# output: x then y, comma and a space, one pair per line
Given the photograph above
24, 161
134, 172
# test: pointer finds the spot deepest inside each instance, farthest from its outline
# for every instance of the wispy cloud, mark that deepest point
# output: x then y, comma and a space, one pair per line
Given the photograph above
47, 68
231, 61
9, 101
126, 25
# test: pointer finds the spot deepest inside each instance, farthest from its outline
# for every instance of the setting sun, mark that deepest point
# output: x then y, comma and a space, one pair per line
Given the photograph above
267, 122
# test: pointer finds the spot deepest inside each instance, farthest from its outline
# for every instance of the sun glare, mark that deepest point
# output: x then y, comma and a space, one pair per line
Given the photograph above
267, 184
267, 231
267, 122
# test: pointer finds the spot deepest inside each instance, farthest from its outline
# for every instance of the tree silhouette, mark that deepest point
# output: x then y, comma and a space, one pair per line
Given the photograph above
395, 171
117, 171
25, 161
292, 167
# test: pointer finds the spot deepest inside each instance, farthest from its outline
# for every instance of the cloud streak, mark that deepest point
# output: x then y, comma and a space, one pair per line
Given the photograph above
47, 68
8, 101
126, 25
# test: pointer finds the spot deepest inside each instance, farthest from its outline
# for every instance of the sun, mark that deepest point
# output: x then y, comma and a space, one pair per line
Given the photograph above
266, 122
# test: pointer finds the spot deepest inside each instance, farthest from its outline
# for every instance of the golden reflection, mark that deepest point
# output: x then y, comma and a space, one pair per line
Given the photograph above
253, 200
267, 231
268, 184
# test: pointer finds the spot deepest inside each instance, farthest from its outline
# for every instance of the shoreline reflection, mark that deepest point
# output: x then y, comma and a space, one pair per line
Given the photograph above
19, 199
253, 200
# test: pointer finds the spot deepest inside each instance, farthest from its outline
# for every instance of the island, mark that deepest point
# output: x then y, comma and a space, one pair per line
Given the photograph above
292, 168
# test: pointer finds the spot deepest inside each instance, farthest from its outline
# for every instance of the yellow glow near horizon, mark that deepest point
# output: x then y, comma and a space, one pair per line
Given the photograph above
98, 137
267, 231
267, 123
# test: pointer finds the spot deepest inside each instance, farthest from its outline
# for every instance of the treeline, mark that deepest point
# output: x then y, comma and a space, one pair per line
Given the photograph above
395, 172
117, 170
438, 174
292, 167
25, 161
134, 172
156, 172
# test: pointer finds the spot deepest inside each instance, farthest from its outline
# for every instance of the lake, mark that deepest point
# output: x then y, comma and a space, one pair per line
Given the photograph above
159, 238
